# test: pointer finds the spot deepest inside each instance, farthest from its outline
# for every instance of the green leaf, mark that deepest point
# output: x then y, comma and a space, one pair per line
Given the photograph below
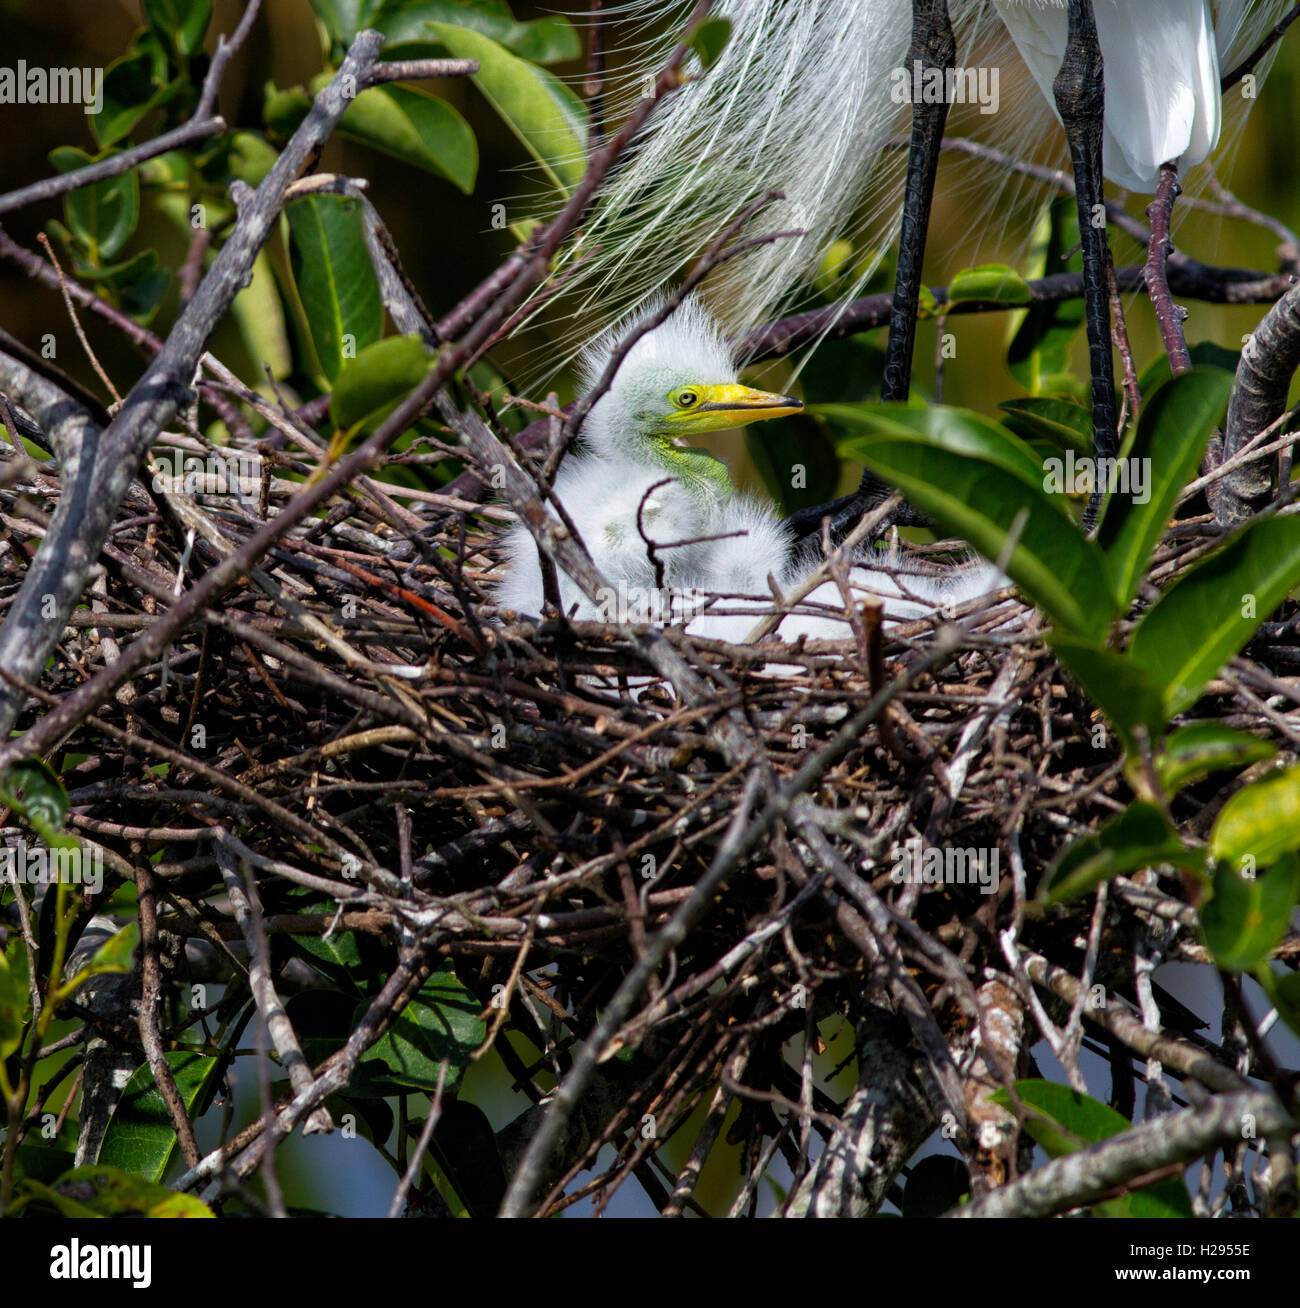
14, 1008
31, 788
258, 311
465, 1147
710, 38
549, 120
43, 1161
133, 85
343, 19
1042, 336
1261, 822
989, 281
139, 1137
544, 40
1194, 751
182, 22
115, 954
251, 157
1206, 354
1205, 617
1139, 837
102, 1191
976, 480
1063, 1121
1063, 423
283, 109
141, 286
335, 280
336, 955
370, 386
442, 1021
1175, 424
103, 215
1249, 915
416, 129
1113, 682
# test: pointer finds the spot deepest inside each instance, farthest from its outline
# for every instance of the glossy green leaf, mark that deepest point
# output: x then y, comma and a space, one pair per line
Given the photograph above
976, 481
1175, 425
442, 1021
284, 108
416, 129
251, 157
1063, 1121
139, 1137
343, 19
31, 788
1139, 837
1194, 751
1261, 822
335, 279
1063, 423
543, 40
14, 1007
181, 22
102, 1191
956, 430
44, 1161
710, 38
1204, 354
549, 120
140, 286
1210, 613
132, 87
115, 954
990, 281
1249, 915
103, 215
335, 954
465, 1147
1118, 687
1042, 336
258, 311
370, 386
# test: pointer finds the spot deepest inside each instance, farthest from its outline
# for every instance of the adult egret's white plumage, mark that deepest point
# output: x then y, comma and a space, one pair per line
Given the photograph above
803, 99
662, 520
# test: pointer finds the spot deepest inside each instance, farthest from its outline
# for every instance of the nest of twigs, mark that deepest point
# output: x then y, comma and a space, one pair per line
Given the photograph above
382, 752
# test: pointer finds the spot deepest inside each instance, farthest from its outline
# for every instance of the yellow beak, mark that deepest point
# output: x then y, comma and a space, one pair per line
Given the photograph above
733, 405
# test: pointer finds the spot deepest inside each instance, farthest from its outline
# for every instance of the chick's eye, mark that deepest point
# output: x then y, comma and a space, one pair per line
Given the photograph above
686, 399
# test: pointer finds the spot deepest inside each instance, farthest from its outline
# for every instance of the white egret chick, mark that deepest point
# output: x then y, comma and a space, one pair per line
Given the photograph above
662, 520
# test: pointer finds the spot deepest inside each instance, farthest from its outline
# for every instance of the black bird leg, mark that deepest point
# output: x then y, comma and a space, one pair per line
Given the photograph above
1080, 95
933, 49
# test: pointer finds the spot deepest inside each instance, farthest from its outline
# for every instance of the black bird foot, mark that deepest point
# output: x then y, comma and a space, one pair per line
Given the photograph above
847, 511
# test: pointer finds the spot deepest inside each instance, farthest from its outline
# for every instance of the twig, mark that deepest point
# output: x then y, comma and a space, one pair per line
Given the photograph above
1169, 315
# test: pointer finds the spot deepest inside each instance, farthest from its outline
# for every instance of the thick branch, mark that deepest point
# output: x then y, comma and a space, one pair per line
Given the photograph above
1269, 360
1092, 1174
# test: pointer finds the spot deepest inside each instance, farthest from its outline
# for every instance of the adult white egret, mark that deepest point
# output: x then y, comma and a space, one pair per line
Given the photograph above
661, 518
803, 99
800, 101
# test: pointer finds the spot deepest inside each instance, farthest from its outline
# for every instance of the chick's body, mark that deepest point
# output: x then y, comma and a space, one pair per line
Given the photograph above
663, 523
